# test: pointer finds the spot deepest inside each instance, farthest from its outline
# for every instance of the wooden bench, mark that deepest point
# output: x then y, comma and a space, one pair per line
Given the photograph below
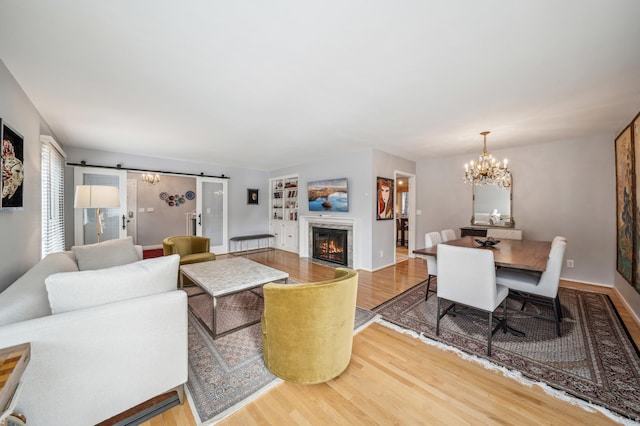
241, 239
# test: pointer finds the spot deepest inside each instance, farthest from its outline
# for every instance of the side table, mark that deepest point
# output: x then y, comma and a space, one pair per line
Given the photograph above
13, 362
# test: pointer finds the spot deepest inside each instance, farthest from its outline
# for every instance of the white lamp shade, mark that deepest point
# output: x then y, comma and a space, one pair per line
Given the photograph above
96, 196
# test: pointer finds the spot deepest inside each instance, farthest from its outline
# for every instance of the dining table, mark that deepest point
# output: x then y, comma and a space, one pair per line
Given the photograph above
528, 255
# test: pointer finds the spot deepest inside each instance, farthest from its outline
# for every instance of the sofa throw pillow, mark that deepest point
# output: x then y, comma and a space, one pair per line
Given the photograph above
105, 254
69, 291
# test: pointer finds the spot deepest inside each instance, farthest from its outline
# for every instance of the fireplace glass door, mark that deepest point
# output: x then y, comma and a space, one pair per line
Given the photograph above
330, 245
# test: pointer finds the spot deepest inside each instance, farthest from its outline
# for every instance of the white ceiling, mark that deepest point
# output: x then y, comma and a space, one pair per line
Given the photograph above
266, 84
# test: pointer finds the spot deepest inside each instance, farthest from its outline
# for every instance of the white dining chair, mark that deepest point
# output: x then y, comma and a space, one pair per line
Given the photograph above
557, 239
467, 276
431, 239
535, 288
448, 235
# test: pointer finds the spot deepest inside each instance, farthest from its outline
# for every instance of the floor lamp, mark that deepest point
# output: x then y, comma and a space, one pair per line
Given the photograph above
97, 197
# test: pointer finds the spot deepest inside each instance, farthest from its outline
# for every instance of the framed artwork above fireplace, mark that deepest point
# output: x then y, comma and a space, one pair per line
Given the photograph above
328, 195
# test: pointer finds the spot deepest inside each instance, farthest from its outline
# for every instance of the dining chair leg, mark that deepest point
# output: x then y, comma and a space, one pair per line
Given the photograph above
504, 316
426, 295
557, 313
437, 318
490, 333
556, 302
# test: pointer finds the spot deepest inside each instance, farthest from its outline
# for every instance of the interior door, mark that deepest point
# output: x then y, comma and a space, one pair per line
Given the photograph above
211, 212
85, 221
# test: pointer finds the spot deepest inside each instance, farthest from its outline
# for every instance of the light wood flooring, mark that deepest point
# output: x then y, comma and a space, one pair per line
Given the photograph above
396, 379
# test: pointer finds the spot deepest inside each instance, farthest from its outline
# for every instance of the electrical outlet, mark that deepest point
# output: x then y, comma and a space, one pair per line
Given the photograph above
381, 253
569, 263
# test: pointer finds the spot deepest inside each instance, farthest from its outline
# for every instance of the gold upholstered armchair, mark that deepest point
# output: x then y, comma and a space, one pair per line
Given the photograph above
192, 249
307, 329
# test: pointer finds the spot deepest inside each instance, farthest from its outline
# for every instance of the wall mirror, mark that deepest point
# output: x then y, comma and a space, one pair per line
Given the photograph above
492, 206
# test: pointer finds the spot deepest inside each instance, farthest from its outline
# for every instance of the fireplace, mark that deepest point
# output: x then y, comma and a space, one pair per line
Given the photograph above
330, 245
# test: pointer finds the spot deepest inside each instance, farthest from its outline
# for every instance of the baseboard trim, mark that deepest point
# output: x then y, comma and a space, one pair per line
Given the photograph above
145, 411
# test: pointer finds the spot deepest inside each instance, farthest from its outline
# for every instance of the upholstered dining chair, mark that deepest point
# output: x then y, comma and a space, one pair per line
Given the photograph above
557, 239
467, 276
307, 329
535, 288
191, 248
431, 239
448, 235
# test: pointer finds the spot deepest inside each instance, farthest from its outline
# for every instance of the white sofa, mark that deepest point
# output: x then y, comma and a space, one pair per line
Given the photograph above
102, 341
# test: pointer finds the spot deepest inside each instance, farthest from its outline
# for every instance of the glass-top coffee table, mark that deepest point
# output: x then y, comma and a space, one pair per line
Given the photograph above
229, 276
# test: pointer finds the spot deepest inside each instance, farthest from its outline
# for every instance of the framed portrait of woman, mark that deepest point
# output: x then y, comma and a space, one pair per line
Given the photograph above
384, 199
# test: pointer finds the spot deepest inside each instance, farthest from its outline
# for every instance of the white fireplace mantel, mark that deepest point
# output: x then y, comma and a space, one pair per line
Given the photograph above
306, 221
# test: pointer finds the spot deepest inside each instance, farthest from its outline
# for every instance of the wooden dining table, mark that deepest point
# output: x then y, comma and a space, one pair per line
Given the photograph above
520, 254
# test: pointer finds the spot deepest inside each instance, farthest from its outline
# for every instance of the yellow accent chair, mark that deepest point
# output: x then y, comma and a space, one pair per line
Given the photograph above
192, 249
307, 329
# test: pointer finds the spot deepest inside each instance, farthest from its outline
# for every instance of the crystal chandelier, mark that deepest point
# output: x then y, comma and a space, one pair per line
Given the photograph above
487, 170
149, 178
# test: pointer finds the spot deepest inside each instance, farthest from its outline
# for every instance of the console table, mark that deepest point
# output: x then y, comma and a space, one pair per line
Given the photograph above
472, 231
481, 231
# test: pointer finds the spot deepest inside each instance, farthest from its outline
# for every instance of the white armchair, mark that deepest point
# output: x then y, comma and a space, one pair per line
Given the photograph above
467, 276
531, 287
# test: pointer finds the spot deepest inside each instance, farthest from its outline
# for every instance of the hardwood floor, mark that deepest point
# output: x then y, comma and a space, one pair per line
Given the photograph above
396, 379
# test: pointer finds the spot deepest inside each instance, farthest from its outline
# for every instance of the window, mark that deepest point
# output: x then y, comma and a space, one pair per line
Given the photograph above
52, 169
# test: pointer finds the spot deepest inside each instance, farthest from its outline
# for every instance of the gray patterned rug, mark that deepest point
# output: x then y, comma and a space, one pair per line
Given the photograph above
227, 373
594, 359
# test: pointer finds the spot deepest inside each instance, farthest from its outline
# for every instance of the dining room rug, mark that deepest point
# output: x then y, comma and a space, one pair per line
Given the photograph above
229, 372
594, 359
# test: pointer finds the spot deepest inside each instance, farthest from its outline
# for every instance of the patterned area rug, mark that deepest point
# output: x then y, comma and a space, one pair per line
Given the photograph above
229, 372
594, 359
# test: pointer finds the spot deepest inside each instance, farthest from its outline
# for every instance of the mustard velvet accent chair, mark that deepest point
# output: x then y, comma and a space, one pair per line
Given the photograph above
307, 329
192, 249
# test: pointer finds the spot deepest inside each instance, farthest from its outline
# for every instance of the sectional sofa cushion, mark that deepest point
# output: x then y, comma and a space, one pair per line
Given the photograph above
26, 298
105, 254
70, 291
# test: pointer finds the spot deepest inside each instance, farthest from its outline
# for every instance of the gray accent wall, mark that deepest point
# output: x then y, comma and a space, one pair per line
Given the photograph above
361, 169
20, 230
562, 188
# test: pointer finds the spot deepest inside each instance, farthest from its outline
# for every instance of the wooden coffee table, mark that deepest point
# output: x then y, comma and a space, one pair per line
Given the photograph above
229, 276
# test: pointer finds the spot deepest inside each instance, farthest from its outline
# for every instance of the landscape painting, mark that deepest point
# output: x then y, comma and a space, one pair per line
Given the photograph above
625, 204
328, 195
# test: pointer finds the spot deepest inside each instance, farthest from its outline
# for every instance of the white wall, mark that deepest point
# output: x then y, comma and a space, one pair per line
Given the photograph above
20, 230
562, 188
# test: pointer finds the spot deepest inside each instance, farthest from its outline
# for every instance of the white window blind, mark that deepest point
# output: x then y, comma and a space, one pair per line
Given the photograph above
52, 196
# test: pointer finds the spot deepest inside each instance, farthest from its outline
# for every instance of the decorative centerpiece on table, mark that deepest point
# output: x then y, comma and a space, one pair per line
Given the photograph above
489, 242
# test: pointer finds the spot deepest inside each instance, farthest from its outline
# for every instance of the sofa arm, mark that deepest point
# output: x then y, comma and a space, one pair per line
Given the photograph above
91, 364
